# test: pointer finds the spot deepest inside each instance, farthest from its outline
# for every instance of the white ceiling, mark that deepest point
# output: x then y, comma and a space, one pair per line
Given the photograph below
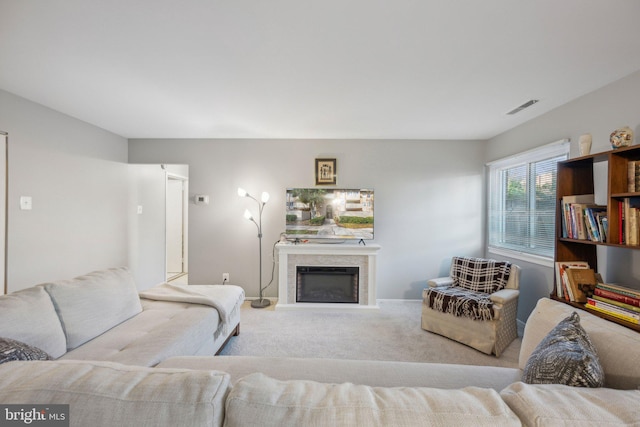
397, 69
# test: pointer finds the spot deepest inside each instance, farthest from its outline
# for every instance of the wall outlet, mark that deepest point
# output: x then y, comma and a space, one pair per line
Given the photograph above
225, 278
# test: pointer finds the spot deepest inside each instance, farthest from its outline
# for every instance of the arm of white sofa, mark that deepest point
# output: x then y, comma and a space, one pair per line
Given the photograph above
439, 282
504, 295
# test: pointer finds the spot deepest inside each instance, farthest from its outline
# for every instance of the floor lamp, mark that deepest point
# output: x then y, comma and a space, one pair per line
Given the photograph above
262, 302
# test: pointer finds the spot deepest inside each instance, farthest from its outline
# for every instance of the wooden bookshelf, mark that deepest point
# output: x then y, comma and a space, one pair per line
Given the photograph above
575, 177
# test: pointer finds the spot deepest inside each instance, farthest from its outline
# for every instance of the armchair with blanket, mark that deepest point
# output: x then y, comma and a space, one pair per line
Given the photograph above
475, 305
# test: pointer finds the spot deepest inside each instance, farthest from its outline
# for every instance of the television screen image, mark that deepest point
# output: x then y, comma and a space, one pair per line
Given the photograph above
331, 214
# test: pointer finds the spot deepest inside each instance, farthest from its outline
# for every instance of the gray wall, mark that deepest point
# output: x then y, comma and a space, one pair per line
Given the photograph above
77, 176
428, 202
597, 113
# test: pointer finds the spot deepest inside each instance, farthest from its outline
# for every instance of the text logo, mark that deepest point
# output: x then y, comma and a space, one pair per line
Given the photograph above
34, 415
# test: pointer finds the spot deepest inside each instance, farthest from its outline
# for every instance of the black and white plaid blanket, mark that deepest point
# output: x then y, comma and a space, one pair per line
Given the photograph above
480, 275
460, 302
473, 280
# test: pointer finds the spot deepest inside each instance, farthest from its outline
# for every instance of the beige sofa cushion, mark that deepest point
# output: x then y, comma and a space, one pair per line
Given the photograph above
94, 303
560, 405
304, 403
112, 394
163, 329
30, 317
618, 347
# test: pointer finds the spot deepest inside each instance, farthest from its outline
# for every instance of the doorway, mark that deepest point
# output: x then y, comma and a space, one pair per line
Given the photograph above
176, 228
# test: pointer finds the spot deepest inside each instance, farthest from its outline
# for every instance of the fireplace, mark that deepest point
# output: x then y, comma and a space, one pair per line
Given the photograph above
320, 284
291, 256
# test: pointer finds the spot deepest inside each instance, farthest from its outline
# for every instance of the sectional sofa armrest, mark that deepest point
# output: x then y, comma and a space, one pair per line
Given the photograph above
504, 295
440, 282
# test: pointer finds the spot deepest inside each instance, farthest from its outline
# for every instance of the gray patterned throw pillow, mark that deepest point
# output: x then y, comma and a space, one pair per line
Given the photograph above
565, 356
16, 350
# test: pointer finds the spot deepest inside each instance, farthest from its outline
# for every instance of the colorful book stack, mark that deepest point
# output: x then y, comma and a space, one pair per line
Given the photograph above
582, 219
617, 301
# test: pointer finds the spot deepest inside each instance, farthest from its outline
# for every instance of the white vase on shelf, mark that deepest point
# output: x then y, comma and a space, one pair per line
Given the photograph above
584, 144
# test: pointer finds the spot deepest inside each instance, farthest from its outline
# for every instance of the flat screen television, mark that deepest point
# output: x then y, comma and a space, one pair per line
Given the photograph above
331, 214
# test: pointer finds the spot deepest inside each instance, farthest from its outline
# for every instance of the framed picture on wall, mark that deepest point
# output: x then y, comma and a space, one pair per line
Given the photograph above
325, 171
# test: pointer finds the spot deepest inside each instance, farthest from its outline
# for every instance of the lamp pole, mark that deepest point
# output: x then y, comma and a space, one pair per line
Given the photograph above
261, 302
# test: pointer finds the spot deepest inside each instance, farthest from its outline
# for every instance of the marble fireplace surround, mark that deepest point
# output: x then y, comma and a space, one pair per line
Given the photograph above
292, 255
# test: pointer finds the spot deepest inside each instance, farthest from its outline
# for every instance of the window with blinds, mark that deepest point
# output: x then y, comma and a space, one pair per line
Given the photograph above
521, 205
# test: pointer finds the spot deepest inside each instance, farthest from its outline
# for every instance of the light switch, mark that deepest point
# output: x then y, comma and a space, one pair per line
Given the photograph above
26, 203
139, 209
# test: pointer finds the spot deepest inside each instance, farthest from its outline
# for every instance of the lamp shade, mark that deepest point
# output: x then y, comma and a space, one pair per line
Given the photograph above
265, 197
242, 192
248, 215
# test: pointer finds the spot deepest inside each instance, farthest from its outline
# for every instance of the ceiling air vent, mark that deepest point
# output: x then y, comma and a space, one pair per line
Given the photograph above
523, 106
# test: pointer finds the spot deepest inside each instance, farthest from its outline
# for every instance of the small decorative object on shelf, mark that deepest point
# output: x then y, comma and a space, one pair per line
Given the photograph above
622, 137
584, 144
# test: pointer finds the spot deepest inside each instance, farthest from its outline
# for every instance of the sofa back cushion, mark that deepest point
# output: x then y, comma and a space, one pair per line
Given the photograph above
29, 316
305, 403
562, 405
618, 347
112, 394
94, 303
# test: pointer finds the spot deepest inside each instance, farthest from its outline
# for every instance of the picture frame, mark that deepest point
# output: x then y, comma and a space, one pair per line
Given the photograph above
326, 172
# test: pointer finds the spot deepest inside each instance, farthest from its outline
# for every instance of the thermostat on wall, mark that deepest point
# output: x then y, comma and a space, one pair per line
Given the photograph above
202, 199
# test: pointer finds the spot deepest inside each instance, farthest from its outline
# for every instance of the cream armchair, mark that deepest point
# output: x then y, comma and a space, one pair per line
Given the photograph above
472, 308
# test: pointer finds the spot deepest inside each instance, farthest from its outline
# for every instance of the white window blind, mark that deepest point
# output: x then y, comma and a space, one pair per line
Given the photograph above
521, 205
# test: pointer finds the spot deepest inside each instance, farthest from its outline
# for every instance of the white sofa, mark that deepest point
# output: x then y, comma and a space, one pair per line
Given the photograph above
100, 316
241, 391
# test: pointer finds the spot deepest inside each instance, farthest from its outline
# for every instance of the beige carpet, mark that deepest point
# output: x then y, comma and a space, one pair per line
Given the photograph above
391, 333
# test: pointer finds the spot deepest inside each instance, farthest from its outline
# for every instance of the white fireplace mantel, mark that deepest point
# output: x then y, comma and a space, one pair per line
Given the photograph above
291, 255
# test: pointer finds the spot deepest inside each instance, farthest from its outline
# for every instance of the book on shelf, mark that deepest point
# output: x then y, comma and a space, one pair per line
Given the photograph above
617, 303
582, 219
570, 228
563, 290
594, 215
604, 223
630, 221
633, 176
613, 310
625, 299
619, 289
582, 282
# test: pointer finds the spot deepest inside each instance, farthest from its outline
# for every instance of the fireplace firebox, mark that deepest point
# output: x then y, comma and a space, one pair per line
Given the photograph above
319, 284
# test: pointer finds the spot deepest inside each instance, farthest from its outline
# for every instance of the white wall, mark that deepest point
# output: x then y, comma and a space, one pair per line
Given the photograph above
428, 202
598, 113
147, 189
147, 230
77, 176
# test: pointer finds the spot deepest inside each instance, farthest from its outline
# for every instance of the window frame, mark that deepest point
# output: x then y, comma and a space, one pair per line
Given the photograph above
494, 170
